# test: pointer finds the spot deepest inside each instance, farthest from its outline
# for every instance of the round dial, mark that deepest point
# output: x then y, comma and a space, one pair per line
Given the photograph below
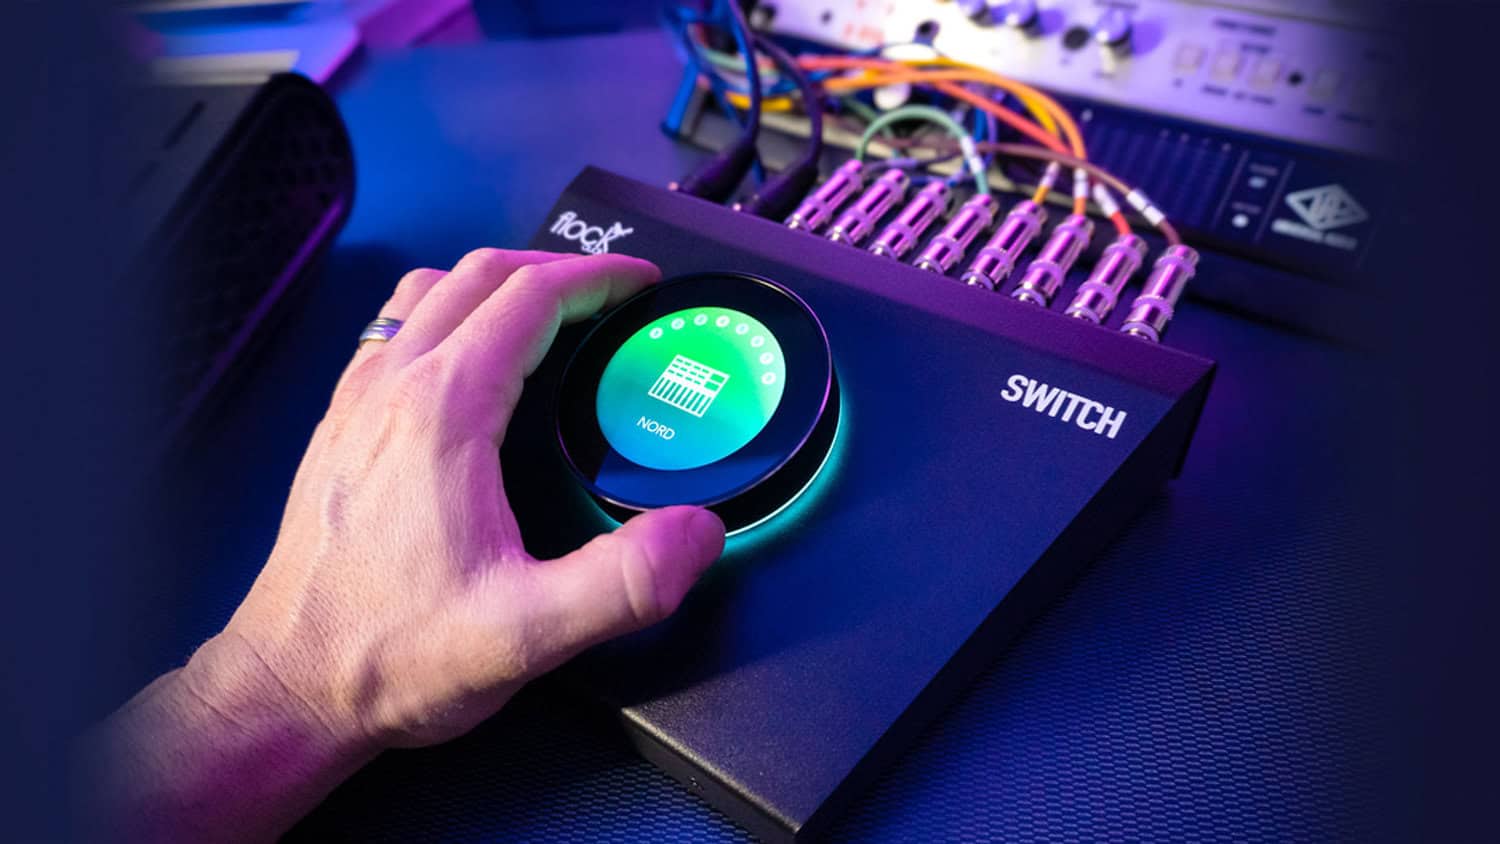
1114, 28
1020, 14
691, 387
715, 389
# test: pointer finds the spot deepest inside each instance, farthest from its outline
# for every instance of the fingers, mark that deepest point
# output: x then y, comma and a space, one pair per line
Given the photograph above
430, 311
506, 336
474, 278
411, 289
622, 581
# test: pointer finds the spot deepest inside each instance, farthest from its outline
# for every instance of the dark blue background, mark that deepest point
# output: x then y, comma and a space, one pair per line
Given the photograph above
71, 541
1295, 641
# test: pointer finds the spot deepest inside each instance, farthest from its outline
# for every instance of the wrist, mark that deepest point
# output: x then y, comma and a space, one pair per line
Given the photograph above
161, 768
233, 679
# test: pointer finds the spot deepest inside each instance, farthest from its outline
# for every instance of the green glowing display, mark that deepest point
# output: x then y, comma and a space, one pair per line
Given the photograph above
690, 388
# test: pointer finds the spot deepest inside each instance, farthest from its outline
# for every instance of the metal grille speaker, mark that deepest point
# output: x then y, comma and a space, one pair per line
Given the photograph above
238, 189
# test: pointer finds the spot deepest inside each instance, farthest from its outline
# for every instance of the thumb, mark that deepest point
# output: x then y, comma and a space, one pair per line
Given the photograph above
625, 580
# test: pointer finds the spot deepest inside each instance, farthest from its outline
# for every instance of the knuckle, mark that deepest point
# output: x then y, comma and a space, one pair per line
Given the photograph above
528, 279
423, 387
638, 579
485, 259
361, 376
418, 281
531, 294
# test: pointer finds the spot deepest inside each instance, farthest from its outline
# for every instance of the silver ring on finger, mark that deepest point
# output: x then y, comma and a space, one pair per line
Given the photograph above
380, 330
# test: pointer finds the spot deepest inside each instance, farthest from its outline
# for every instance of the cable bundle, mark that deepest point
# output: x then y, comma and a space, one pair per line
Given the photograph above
1049, 132
762, 76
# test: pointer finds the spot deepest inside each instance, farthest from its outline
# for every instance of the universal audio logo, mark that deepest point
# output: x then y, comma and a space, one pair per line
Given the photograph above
593, 240
1321, 210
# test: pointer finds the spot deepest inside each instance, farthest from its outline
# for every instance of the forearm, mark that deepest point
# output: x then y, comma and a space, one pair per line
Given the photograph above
218, 749
400, 607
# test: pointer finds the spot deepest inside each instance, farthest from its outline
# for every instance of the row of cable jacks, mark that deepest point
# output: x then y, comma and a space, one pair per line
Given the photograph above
824, 212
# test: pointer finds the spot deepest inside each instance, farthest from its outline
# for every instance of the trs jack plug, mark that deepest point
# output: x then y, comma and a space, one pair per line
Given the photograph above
855, 224
900, 235
719, 176
1097, 297
819, 208
949, 245
1153, 309
1041, 281
777, 197
997, 260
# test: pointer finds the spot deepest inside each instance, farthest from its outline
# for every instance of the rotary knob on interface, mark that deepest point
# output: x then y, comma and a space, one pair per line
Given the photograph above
976, 10
1018, 14
1113, 29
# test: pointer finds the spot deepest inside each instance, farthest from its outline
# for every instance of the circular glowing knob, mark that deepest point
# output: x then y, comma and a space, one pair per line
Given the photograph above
715, 389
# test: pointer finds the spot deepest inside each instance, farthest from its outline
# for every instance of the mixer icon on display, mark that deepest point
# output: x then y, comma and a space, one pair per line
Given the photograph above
688, 385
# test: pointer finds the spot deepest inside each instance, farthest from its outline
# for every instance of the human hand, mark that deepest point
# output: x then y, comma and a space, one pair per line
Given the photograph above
399, 605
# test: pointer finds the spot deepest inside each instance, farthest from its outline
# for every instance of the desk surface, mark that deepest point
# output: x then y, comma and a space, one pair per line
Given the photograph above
1203, 680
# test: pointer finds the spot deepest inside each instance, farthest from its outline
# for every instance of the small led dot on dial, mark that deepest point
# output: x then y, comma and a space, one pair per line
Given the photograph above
656, 333
741, 329
757, 341
700, 319
721, 321
678, 324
